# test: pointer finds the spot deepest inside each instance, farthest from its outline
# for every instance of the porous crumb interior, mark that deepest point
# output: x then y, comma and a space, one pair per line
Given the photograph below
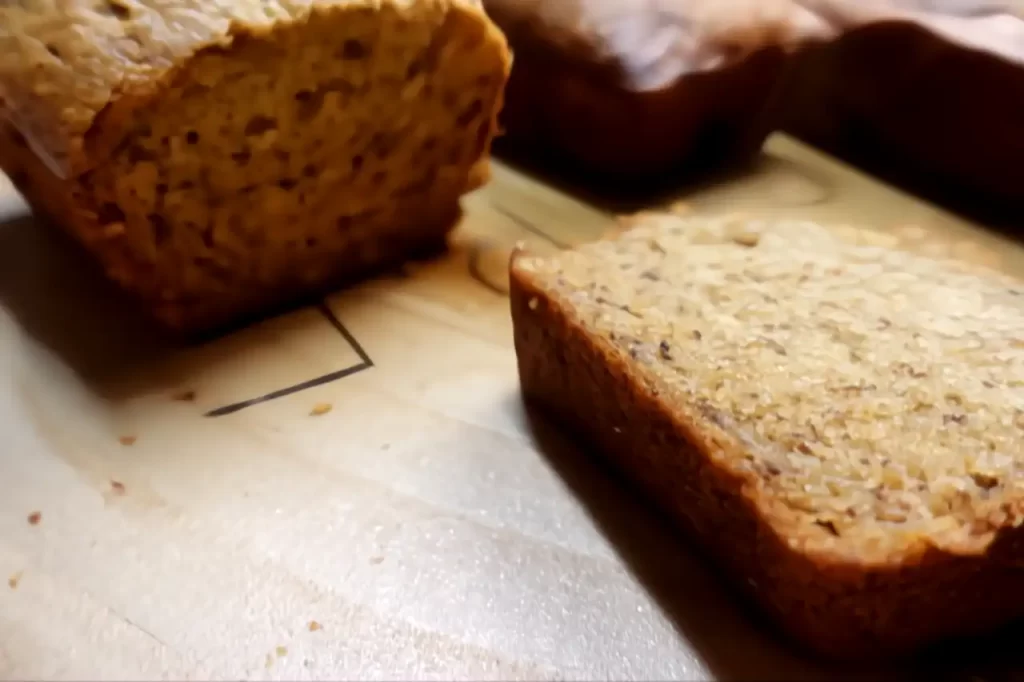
277, 157
878, 395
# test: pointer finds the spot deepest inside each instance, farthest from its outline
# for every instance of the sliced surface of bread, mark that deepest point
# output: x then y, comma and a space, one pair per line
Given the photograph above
838, 424
220, 157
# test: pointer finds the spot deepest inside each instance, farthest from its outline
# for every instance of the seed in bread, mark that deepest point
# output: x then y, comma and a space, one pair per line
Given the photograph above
838, 423
219, 157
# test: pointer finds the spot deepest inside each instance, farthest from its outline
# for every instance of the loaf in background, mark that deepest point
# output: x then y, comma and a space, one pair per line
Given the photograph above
221, 158
618, 87
838, 424
930, 92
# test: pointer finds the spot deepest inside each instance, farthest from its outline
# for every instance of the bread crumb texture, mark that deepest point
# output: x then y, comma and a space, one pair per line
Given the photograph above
214, 154
873, 399
320, 409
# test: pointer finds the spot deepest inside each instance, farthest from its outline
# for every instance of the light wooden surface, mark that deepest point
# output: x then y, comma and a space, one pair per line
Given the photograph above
424, 527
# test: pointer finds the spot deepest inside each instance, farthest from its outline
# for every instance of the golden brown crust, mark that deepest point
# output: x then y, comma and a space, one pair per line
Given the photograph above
266, 152
63, 63
839, 605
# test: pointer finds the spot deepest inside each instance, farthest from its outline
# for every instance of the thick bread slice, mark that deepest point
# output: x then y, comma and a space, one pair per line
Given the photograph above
220, 157
839, 424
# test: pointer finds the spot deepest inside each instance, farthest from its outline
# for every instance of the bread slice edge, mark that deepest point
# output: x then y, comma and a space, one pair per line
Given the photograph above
842, 606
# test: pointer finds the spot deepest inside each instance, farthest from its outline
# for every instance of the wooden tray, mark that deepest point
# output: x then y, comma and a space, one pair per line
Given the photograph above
185, 513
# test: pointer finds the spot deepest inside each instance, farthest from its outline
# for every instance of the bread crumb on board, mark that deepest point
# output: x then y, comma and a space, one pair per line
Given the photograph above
315, 626
117, 487
14, 580
127, 440
34, 518
321, 409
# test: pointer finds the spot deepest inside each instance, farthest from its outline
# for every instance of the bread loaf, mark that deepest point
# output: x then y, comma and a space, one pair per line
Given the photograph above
931, 90
928, 95
222, 157
628, 88
838, 424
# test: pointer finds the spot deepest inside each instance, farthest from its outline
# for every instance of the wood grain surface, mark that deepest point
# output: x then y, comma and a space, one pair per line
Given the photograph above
354, 490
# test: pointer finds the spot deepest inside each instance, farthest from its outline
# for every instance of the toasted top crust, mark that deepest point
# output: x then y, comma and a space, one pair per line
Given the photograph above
63, 62
872, 399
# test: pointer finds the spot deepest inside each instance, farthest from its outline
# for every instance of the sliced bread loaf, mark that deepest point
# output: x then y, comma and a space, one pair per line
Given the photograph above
219, 157
839, 424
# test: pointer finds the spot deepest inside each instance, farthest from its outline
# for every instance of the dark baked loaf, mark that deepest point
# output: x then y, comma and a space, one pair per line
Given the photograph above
639, 88
838, 424
220, 157
932, 88
929, 95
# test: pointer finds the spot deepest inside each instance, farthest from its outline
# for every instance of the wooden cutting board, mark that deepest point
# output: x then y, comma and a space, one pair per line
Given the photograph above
354, 490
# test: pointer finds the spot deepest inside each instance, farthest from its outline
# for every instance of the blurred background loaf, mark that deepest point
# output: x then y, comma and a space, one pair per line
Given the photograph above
220, 158
927, 93
622, 88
